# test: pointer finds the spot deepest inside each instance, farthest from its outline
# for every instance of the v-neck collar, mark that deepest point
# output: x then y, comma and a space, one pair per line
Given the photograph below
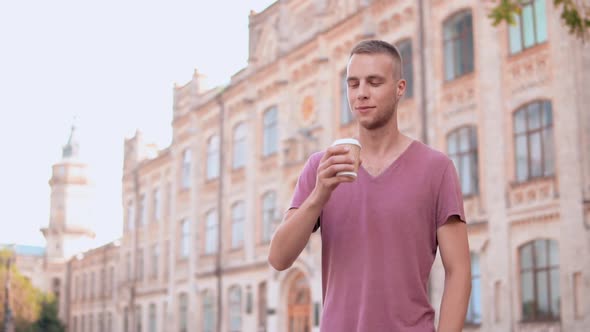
394, 164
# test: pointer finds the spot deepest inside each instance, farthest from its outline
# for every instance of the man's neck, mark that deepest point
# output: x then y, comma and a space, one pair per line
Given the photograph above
382, 142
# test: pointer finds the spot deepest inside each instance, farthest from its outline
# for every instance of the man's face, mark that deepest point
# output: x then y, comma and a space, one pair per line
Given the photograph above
373, 88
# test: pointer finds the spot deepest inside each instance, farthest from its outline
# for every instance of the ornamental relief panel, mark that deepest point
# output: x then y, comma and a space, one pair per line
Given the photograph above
527, 72
459, 97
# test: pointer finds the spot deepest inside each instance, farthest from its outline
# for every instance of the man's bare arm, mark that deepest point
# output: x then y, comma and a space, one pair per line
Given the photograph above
292, 235
454, 251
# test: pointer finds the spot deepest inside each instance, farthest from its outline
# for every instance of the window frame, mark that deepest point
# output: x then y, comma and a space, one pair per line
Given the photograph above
213, 157
471, 153
268, 215
450, 23
238, 221
546, 153
521, 29
535, 270
270, 129
240, 144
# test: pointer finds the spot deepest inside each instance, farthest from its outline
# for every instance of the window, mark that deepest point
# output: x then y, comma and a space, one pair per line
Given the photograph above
211, 233
405, 50
533, 139
112, 281
142, 210
184, 238
92, 285
208, 313
138, 318
90, 323
130, 216
271, 134
578, 297
213, 157
139, 260
109, 321
156, 201
80, 288
166, 258
237, 232
76, 290
186, 169
84, 286
345, 112
168, 198
539, 280
83, 324
155, 258
462, 149
152, 318
164, 316
268, 215
235, 309
530, 28
100, 322
239, 159
75, 324
125, 320
183, 313
128, 265
262, 306
103, 283
474, 309
458, 45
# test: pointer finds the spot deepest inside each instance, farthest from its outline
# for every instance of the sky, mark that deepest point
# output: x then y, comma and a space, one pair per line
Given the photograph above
112, 65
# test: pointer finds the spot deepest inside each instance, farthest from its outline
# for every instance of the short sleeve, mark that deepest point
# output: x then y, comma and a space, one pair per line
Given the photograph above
450, 198
306, 183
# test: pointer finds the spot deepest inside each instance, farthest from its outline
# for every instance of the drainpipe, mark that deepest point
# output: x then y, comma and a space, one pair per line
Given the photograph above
218, 271
421, 43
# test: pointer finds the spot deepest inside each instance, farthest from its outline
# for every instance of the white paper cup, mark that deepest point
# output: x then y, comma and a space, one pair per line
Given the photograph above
354, 153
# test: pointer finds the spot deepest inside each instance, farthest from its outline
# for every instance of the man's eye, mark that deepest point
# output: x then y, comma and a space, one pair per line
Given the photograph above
353, 84
375, 83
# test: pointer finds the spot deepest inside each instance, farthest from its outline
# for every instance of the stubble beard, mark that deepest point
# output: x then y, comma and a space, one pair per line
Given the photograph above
381, 119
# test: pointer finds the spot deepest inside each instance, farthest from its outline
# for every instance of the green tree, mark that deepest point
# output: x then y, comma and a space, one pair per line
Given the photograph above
48, 319
575, 14
25, 299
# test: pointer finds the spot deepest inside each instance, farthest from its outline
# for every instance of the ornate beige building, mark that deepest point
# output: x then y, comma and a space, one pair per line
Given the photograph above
506, 103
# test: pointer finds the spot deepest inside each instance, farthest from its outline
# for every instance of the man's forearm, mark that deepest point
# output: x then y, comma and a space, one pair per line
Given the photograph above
455, 301
293, 234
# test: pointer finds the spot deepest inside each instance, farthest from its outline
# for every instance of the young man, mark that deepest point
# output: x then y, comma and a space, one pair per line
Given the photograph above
380, 231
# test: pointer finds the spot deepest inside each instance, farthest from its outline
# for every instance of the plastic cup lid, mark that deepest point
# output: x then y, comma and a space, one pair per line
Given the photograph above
346, 141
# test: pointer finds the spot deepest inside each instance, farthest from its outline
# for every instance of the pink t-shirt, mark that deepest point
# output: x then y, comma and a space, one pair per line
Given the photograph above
379, 241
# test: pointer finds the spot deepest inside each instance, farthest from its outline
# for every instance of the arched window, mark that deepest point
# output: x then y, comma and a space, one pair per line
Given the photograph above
458, 45
533, 141
539, 280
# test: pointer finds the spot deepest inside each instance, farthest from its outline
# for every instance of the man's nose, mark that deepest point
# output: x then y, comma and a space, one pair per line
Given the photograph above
363, 91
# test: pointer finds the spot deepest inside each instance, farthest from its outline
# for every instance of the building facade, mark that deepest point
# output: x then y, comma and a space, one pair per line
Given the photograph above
506, 103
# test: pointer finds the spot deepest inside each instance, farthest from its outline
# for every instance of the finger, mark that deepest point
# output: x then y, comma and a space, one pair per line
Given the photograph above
335, 159
336, 180
331, 171
335, 150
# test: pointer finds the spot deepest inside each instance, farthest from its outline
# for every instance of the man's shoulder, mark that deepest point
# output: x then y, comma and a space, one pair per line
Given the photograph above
431, 156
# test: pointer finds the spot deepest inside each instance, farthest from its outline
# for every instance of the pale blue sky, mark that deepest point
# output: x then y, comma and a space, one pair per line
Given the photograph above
111, 63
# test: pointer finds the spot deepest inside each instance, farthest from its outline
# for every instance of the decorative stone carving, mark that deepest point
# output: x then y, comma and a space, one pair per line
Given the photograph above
528, 71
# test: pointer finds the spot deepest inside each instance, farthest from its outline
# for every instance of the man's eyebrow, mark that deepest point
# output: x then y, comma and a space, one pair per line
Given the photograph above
375, 77
369, 78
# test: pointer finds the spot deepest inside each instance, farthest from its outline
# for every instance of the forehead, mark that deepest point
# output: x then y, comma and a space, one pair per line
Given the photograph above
374, 64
